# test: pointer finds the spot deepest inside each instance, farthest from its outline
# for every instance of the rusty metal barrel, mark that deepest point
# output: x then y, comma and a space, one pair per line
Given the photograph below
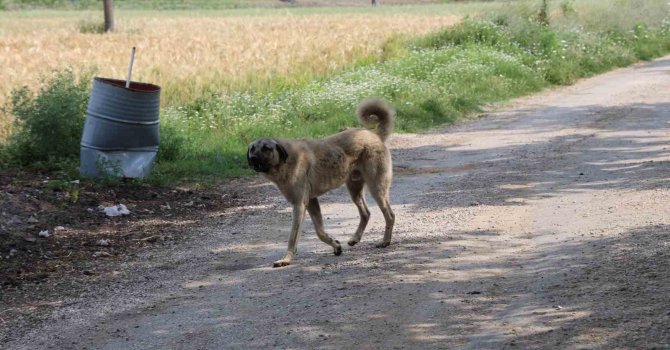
121, 133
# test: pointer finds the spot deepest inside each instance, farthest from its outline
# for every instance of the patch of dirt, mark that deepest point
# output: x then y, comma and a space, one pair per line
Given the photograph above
82, 245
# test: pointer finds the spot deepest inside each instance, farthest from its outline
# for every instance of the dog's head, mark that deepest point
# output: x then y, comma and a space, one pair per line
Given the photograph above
265, 154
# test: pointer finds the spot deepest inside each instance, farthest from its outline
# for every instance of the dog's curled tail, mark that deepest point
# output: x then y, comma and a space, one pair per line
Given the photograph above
383, 116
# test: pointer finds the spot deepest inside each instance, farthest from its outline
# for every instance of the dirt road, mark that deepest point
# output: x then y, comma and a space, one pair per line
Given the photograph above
543, 225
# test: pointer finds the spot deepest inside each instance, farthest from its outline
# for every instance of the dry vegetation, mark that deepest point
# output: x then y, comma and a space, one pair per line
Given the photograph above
189, 56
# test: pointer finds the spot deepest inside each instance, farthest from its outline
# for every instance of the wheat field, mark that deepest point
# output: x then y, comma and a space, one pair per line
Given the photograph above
189, 56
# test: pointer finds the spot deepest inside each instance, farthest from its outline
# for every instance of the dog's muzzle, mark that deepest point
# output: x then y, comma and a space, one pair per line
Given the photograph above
258, 165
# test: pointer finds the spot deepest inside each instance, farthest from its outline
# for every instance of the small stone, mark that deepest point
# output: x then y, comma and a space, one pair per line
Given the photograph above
12, 252
558, 307
104, 242
101, 254
59, 228
115, 210
32, 220
44, 234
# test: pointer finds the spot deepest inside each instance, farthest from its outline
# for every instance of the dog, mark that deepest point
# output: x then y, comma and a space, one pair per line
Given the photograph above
305, 169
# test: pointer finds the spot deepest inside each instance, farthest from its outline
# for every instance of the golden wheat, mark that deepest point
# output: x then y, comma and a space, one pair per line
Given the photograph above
189, 56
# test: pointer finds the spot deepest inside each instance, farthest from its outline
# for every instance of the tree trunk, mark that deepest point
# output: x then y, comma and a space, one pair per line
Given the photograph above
109, 15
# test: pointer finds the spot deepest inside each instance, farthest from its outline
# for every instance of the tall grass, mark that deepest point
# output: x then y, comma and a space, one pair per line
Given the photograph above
191, 57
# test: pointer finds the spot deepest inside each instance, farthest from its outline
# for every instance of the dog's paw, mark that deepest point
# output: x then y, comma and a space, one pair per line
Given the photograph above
281, 263
338, 249
352, 242
382, 244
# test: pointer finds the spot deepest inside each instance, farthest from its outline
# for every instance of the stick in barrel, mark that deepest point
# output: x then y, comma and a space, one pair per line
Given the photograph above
130, 67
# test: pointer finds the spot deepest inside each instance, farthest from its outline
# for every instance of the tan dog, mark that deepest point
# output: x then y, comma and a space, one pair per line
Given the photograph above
305, 169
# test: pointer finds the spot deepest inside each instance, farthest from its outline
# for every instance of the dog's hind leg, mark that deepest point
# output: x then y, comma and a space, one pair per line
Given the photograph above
315, 213
296, 228
357, 192
380, 192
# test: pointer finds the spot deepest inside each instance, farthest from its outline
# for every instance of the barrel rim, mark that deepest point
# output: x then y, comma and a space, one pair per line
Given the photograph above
135, 86
146, 149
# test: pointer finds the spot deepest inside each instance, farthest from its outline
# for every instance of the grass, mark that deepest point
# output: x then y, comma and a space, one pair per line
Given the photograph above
431, 79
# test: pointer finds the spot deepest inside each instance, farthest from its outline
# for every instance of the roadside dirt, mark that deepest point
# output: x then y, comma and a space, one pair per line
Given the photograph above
544, 224
83, 246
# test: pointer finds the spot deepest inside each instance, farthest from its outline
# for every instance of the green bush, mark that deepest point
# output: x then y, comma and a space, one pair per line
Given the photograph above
48, 124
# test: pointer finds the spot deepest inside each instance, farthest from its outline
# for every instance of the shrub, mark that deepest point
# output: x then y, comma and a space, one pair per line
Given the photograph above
48, 124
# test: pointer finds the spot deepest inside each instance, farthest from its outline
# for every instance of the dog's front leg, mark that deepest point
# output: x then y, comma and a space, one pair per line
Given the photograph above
296, 228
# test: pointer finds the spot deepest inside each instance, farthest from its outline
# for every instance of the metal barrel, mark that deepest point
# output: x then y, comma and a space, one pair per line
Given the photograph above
121, 133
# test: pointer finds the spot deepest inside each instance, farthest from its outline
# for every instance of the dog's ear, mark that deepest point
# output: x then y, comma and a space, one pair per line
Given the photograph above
283, 155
